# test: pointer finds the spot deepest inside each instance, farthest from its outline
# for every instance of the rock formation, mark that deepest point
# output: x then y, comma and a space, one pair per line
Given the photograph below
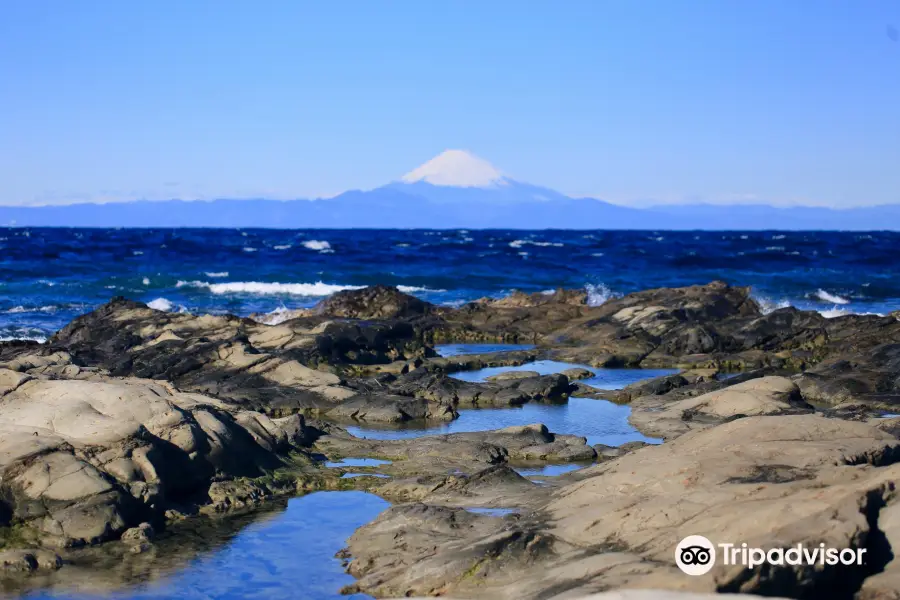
130, 419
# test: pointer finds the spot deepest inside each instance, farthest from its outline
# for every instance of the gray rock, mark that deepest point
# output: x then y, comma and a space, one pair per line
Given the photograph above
28, 560
578, 373
507, 375
774, 481
143, 533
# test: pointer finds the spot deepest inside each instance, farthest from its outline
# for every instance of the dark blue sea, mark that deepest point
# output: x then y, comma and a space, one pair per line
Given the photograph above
49, 276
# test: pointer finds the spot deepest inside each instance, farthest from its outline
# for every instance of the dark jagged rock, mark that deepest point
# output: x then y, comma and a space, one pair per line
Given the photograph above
223, 425
442, 389
375, 302
460, 451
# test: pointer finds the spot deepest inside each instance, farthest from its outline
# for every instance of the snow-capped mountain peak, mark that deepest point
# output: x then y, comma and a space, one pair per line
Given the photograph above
456, 168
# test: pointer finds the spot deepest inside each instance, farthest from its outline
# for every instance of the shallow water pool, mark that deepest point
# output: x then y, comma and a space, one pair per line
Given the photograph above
548, 470
606, 379
600, 421
288, 556
356, 462
447, 350
492, 512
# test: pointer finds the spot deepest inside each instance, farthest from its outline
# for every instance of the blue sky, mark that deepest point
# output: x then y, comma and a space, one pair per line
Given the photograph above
637, 102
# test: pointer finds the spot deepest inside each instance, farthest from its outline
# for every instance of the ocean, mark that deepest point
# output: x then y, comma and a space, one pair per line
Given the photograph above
48, 276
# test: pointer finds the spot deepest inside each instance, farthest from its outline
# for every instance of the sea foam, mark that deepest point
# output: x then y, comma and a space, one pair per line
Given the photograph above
15, 310
767, 305
832, 298
161, 304
277, 316
520, 243
318, 245
316, 289
597, 294
27, 338
411, 289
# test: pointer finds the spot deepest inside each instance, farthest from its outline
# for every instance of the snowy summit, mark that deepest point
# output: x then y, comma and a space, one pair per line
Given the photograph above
456, 168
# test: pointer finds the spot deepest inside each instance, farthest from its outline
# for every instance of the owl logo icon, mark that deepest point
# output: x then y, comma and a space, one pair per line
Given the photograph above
695, 555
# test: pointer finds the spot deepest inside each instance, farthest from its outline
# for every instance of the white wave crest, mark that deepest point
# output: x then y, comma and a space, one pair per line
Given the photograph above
249, 249
520, 243
318, 245
216, 274
832, 298
283, 247
597, 294
277, 316
15, 310
317, 289
411, 289
767, 305
161, 304
146, 281
29, 338
831, 313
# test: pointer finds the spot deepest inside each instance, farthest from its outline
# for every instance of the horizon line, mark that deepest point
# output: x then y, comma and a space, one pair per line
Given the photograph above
119, 202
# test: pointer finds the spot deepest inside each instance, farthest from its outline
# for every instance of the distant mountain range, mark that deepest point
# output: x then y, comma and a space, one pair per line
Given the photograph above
454, 190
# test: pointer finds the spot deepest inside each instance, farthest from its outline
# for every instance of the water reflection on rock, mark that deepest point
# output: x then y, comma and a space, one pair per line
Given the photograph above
600, 421
448, 350
284, 551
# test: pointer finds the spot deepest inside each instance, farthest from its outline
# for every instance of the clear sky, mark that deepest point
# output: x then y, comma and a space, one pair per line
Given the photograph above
637, 101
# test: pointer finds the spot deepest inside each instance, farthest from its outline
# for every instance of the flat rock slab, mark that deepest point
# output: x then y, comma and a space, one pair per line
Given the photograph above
769, 481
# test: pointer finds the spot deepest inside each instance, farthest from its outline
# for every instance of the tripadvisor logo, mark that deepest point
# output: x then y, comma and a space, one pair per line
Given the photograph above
696, 555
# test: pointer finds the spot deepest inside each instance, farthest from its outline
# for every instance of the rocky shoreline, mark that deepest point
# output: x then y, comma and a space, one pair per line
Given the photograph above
130, 420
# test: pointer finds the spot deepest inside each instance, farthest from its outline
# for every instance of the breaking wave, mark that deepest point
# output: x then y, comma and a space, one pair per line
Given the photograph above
520, 243
318, 245
15, 310
767, 305
317, 289
411, 289
597, 294
276, 317
16, 333
832, 298
161, 304
24, 338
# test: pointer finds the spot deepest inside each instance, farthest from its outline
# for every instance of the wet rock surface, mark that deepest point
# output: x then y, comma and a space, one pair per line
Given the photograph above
130, 419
